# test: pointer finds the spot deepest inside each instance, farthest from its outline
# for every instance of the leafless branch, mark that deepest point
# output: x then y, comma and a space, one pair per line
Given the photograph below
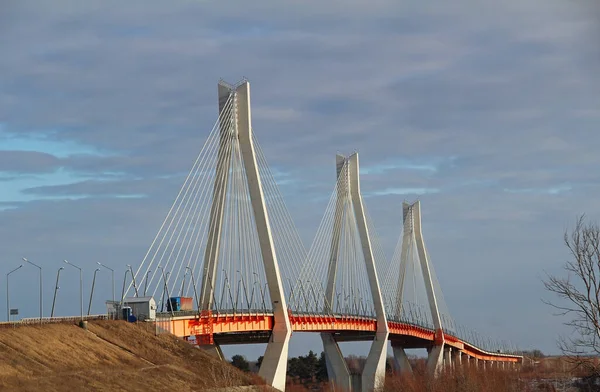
579, 291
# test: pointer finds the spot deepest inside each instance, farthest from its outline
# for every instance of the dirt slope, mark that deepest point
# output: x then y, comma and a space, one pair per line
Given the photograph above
110, 356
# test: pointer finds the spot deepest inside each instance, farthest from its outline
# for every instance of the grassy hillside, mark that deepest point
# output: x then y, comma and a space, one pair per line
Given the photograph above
111, 355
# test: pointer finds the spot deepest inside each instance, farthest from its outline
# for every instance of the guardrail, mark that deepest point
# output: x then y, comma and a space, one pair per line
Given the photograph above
51, 320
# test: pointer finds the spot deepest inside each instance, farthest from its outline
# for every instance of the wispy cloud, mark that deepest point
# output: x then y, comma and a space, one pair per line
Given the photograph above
424, 165
103, 103
554, 190
401, 192
48, 142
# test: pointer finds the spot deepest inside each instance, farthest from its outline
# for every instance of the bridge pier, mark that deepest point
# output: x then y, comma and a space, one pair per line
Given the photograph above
448, 357
456, 357
212, 349
373, 375
401, 363
273, 368
337, 368
435, 359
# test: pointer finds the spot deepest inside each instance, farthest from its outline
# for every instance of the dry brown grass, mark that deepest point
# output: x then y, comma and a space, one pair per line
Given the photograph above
112, 355
461, 380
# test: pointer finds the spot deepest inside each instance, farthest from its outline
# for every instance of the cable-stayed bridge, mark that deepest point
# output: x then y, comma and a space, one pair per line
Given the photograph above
229, 242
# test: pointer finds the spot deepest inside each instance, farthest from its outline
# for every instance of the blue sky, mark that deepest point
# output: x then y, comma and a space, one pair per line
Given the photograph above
486, 111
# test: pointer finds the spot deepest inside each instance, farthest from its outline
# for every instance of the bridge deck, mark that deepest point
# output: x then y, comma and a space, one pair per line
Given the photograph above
230, 328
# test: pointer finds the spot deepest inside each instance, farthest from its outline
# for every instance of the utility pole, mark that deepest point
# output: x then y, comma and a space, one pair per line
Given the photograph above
8, 293
55, 290
92, 291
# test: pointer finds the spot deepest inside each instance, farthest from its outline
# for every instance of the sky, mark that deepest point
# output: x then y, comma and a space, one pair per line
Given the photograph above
487, 112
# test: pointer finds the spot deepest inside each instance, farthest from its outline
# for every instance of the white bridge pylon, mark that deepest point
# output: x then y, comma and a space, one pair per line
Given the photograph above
340, 277
219, 233
410, 282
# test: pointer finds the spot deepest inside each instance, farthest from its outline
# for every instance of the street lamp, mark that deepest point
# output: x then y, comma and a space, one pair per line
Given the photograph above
56, 290
7, 294
112, 271
183, 283
41, 287
92, 291
80, 286
194, 284
133, 280
146, 283
170, 306
123, 291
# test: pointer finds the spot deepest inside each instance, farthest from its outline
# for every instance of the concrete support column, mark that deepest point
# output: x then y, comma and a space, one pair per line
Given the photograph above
435, 359
337, 369
448, 357
456, 358
213, 349
401, 363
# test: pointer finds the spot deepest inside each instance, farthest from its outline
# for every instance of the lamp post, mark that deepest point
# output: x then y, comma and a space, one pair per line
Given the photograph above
80, 286
133, 280
7, 293
194, 284
146, 283
112, 271
56, 290
123, 291
41, 287
92, 291
170, 306
183, 283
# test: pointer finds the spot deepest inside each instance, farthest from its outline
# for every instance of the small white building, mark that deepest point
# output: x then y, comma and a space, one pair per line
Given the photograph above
143, 308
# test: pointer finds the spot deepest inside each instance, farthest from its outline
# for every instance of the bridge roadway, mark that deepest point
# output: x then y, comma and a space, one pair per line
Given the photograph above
240, 328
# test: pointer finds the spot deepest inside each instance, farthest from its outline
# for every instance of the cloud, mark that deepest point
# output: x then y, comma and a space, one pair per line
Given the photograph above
27, 162
486, 110
550, 191
401, 191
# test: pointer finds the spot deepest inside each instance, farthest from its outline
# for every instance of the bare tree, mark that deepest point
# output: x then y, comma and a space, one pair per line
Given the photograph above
579, 292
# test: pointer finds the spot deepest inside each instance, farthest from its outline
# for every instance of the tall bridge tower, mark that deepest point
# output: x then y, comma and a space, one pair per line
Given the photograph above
239, 125
349, 201
413, 237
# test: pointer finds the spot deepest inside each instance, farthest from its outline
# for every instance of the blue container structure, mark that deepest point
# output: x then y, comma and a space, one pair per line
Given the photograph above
174, 304
180, 304
126, 313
